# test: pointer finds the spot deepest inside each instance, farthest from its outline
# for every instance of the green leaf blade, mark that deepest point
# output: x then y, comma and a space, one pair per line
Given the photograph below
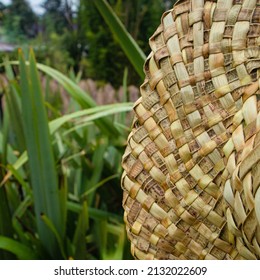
41, 160
21, 251
126, 41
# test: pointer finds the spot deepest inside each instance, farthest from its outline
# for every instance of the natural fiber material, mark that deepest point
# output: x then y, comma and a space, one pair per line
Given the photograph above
192, 162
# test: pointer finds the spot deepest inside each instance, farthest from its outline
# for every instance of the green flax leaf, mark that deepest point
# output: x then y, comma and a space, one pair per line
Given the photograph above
21, 251
43, 174
127, 43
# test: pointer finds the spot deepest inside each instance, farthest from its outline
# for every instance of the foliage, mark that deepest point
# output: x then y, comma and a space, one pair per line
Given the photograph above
126, 41
57, 16
62, 43
103, 55
140, 17
19, 20
54, 52
60, 178
76, 37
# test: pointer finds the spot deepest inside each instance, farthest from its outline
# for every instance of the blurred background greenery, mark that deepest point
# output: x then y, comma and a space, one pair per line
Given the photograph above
69, 74
72, 34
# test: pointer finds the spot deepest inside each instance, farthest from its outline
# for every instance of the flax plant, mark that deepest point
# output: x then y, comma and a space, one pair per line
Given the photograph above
60, 195
52, 171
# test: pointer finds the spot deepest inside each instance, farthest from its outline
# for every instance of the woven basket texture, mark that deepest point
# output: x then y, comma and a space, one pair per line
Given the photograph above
192, 162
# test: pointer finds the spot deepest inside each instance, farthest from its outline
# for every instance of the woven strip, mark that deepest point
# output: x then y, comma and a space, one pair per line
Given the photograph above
195, 136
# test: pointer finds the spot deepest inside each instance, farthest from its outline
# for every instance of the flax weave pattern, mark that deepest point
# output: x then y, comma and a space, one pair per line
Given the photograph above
192, 162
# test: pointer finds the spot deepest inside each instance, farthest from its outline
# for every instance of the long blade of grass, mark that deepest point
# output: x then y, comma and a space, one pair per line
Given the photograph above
41, 161
17, 215
98, 185
21, 251
94, 213
63, 196
13, 101
122, 116
79, 239
80, 96
98, 163
90, 114
126, 41
53, 229
5, 220
5, 213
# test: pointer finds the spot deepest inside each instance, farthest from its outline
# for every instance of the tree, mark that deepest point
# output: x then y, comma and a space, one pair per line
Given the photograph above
20, 21
58, 15
60, 32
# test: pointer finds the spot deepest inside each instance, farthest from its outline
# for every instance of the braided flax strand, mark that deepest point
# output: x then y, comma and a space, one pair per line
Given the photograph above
191, 166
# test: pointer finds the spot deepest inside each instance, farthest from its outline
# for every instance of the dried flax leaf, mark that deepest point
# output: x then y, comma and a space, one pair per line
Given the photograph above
191, 163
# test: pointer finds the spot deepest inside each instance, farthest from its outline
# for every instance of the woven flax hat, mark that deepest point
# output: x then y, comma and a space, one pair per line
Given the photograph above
192, 162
